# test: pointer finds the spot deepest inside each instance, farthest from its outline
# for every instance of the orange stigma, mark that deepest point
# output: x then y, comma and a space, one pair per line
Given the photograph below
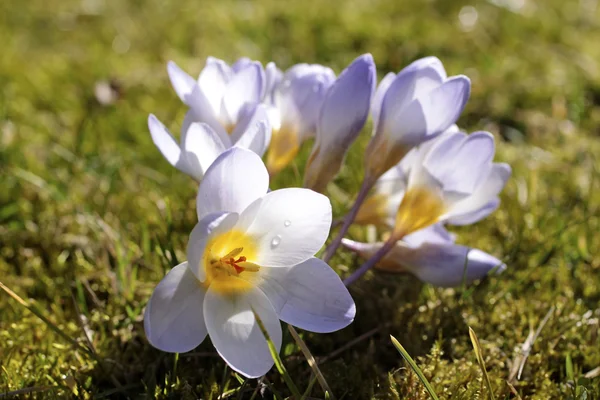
234, 263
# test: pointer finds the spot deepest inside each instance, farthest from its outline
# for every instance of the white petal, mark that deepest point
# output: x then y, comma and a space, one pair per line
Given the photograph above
426, 62
168, 146
173, 319
245, 87
289, 226
461, 162
442, 106
346, 106
436, 234
182, 82
236, 334
248, 132
201, 146
202, 111
213, 80
273, 76
255, 138
379, 94
404, 126
449, 265
483, 201
309, 295
441, 264
233, 181
209, 226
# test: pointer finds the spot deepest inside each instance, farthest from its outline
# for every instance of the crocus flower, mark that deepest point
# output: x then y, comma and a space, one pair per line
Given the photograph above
411, 108
341, 118
432, 256
297, 99
223, 95
201, 145
251, 254
450, 179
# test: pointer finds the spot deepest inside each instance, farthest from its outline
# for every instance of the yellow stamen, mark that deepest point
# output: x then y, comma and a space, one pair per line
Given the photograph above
226, 262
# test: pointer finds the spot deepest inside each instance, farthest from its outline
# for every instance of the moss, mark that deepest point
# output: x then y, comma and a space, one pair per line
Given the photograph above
91, 217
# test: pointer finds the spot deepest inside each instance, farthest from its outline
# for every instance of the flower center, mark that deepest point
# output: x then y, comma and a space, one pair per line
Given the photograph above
227, 265
420, 207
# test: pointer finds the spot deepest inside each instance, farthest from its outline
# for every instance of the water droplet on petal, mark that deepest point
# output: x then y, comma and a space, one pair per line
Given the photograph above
275, 241
287, 223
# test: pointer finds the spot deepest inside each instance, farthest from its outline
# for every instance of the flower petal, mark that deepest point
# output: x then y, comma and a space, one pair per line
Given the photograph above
309, 295
181, 81
240, 64
249, 133
441, 264
205, 229
441, 107
288, 225
169, 147
273, 76
409, 129
202, 111
448, 265
379, 94
246, 86
426, 62
173, 320
346, 105
435, 234
213, 80
236, 334
483, 201
460, 162
201, 146
341, 118
233, 181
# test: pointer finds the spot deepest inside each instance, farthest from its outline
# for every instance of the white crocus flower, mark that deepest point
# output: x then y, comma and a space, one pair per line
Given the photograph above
432, 256
223, 97
451, 179
200, 145
251, 253
409, 108
297, 99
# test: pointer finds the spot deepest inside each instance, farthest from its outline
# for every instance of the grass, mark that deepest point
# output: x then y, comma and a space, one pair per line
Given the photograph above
91, 216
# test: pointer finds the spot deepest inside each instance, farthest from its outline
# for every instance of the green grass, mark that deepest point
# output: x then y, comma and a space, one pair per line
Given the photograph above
91, 216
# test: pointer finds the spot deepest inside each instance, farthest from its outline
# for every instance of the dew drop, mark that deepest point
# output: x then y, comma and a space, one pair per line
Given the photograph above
287, 223
275, 241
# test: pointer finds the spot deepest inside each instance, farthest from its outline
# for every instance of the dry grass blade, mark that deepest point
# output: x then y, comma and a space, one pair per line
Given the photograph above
481, 362
311, 361
414, 367
50, 324
513, 390
521, 358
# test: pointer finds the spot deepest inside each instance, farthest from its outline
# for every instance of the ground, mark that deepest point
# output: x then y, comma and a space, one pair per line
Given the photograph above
91, 216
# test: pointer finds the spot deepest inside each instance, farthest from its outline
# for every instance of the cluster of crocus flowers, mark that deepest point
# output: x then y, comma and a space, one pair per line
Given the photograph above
251, 257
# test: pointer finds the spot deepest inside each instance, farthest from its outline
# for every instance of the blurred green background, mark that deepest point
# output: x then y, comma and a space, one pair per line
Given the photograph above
91, 215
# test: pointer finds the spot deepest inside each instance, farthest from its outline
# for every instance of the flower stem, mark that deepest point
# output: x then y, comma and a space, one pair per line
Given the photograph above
360, 198
371, 262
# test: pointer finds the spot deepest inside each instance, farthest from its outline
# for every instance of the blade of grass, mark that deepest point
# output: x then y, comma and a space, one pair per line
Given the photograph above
311, 361
414, 367
481, 362
309, 387
278, 363
50, 324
